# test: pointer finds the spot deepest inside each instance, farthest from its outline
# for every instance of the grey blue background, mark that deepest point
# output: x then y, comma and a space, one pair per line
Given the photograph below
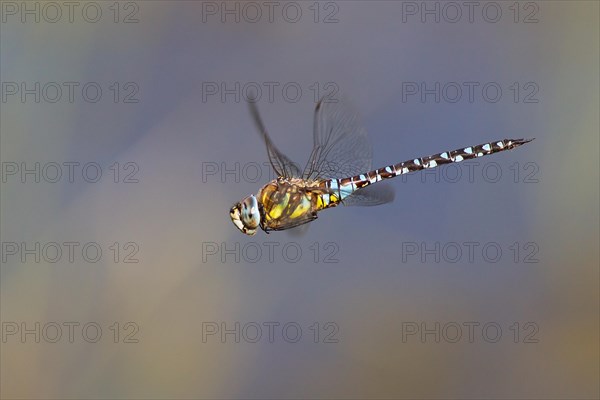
375, 290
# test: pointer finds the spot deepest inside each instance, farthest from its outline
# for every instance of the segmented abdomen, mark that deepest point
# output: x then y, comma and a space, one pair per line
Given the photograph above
342, 188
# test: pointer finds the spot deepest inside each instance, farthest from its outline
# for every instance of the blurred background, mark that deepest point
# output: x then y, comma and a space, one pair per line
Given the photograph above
123, 277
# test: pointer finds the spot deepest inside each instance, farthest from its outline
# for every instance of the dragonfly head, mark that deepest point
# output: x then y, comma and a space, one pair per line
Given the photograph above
246, 215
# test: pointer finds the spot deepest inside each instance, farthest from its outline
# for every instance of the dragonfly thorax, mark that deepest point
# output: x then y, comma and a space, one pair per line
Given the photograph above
246, 215
288, 202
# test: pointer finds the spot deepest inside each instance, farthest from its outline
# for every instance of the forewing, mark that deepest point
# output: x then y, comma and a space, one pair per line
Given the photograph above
280, 163
341, 147
381, 193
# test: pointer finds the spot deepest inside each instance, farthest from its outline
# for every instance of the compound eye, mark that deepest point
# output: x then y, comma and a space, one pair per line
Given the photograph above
250, 213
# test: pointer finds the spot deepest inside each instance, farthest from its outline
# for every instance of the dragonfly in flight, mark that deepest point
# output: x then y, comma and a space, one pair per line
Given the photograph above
338, 172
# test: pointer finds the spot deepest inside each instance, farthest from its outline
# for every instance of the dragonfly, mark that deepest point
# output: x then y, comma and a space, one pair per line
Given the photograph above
338, 171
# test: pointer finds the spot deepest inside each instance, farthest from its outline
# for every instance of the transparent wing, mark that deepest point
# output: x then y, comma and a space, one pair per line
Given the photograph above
280, 163
341, 147
371, 196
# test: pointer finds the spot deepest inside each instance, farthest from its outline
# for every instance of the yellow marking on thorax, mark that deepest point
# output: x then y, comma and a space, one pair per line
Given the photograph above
320, 202
301, 208
277, 209
327, 200
271, 209
287, 202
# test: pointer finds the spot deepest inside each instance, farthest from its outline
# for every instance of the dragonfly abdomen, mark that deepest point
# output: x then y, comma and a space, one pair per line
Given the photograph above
346, 186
